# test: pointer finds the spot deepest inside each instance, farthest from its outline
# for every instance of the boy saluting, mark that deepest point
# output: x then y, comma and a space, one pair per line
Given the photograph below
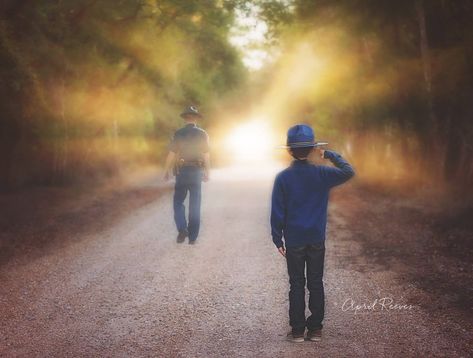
299, 215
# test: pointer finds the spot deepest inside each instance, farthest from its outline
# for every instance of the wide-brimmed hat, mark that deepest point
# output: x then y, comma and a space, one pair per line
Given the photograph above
301, 136
191, 111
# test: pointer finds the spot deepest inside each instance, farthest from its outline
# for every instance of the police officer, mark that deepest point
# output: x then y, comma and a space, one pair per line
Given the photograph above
189, 157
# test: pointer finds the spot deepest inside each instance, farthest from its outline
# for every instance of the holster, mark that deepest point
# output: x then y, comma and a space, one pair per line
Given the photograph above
176, 167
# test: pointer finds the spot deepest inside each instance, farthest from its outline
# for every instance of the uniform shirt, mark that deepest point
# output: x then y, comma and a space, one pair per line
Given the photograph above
190, 143
300, 200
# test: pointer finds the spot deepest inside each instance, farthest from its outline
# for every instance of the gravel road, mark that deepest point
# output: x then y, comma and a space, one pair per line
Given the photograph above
128, 290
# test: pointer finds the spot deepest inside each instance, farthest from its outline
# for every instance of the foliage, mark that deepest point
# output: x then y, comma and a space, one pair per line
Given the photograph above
385, 67
91, 84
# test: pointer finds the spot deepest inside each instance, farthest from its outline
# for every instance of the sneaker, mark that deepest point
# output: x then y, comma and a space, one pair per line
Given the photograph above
181, 236
192, 242
295, 337
314, 335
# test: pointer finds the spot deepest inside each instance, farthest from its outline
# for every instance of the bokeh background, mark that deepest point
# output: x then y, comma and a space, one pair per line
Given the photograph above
92, 89
90, 95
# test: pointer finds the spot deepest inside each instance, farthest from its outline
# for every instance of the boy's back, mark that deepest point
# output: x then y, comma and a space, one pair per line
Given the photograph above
299, 216
300, 199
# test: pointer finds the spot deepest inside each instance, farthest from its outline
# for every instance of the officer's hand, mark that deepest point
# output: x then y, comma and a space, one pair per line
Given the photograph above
166, 176
282, 251
206, 177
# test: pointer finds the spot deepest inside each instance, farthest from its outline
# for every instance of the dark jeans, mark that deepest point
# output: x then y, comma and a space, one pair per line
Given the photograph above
298, 258
189, 180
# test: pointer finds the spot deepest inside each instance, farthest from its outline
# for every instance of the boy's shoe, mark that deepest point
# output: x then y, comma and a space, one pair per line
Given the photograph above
192, 242
314, 335
181, 236
295, 337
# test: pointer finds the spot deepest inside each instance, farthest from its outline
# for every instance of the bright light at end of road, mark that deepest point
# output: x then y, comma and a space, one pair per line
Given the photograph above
251, 142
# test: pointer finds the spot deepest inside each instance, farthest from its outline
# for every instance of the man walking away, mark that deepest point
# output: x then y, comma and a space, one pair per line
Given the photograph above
189, 157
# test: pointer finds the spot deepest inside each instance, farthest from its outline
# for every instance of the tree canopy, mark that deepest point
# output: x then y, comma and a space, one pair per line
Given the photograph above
89, 87
80, 76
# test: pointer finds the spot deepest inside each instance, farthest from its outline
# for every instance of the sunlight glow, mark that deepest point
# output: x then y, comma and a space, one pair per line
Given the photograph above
249, 36
251, 142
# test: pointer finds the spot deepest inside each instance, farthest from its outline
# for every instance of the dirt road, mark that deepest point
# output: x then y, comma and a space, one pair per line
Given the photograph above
128, 290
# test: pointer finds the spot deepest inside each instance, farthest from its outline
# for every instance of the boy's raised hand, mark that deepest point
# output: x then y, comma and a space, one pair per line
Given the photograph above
322, 152
282, 251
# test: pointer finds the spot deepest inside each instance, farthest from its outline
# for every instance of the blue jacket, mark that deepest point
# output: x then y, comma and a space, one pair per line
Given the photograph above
300, 199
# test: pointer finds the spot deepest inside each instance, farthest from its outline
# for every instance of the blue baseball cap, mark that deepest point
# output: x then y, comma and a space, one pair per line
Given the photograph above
300, 136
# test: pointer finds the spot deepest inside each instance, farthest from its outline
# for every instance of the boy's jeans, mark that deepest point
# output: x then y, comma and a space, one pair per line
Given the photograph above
189, 180
298, 258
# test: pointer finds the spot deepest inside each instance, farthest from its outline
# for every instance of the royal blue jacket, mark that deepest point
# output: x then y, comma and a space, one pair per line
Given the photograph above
300, 199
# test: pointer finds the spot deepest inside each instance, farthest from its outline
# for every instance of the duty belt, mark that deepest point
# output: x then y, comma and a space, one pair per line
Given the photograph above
190, 163
181, 163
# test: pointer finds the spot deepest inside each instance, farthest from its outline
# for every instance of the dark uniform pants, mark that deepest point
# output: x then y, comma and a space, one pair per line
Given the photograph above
298, 258
189, 180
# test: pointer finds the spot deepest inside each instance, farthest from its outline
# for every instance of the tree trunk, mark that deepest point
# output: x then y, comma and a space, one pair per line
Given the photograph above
433, 145
424, 47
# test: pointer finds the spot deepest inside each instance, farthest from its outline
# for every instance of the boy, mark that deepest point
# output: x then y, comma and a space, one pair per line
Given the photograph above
299, 214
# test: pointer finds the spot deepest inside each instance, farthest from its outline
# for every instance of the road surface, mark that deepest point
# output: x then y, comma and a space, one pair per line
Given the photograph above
128, 290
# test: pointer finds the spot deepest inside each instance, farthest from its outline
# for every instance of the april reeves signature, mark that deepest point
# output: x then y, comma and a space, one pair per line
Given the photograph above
378, 304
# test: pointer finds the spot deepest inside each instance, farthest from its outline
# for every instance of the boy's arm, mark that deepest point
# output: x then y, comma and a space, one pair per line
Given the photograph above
277, 213
342, 172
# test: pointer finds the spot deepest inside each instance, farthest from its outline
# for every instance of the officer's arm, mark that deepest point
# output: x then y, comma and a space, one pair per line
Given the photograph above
170, 159
207, 166
206, 151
